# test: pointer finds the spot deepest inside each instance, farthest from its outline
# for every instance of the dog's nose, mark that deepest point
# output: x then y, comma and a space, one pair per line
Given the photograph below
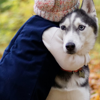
70, 46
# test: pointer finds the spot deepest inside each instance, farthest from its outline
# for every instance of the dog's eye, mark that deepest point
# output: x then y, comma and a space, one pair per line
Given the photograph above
81, 27
63, 27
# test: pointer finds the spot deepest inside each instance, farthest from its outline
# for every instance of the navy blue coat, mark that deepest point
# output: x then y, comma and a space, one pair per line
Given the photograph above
27, 69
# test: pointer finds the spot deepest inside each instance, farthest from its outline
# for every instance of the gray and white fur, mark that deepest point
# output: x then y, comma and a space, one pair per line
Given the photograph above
79, 29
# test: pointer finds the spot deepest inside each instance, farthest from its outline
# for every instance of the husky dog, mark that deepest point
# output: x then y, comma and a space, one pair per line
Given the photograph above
79, 29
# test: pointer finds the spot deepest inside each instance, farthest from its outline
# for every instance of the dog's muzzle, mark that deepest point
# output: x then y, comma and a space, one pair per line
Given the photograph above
70, 46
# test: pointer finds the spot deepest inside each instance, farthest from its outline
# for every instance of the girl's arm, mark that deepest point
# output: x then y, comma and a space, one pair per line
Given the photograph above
52, 39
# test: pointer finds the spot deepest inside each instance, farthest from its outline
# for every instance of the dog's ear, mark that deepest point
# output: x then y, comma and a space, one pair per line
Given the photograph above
88, 7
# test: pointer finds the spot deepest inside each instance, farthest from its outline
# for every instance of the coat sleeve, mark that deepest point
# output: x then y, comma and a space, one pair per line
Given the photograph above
52, 39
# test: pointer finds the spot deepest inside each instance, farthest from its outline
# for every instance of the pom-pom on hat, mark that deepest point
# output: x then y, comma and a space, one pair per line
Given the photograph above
54, 10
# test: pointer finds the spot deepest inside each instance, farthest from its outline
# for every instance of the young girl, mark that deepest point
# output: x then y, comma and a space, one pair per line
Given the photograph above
27, 68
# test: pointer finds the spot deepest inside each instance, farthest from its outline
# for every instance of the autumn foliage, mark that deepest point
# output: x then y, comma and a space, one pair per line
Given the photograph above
94, 79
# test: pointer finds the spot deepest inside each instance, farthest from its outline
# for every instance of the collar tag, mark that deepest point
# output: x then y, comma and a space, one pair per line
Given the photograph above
81, 74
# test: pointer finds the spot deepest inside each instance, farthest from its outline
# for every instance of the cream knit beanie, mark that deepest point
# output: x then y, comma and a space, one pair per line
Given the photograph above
54, 10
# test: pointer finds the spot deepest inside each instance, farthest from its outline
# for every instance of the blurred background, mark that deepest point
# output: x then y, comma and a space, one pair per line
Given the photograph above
14, 13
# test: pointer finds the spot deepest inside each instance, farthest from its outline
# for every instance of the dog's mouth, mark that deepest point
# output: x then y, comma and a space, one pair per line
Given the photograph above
70, 52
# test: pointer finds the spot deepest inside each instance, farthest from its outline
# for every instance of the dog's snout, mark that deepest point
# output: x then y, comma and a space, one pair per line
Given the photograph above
70, 46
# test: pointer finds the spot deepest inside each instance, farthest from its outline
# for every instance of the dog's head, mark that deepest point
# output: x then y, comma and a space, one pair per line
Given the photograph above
79, 29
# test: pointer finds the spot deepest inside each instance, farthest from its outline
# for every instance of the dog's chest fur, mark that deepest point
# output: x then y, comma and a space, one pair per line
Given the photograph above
70, 86
72, 80
56, 94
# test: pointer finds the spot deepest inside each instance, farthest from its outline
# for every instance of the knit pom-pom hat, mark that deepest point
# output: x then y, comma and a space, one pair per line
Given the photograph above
54, 10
